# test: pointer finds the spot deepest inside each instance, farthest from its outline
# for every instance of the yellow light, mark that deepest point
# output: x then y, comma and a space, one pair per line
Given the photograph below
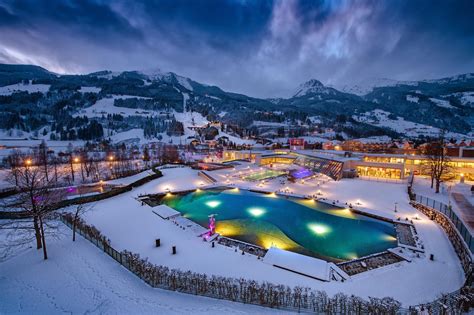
76, 160
389, 238
256, 212
111, 158
319, 229
213, 203
28, 162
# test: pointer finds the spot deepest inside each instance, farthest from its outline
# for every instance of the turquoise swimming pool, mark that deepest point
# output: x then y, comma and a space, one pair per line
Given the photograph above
304, 226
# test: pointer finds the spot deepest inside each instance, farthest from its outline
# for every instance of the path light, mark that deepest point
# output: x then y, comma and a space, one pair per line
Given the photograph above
319, 192
76, 160
28, 162
416, 216
111, 158
358, 202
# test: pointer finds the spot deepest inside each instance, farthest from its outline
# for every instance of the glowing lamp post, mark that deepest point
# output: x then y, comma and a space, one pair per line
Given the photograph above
212, 224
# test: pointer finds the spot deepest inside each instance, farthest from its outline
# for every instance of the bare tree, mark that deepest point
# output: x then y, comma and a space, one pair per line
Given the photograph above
76, 218
437, 159
34, 204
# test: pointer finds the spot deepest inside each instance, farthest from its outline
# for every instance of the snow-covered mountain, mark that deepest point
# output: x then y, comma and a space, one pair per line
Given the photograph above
133, 97
364, 87
312, 86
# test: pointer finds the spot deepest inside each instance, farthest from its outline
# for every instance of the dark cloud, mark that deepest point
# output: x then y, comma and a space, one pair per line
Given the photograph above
261, 48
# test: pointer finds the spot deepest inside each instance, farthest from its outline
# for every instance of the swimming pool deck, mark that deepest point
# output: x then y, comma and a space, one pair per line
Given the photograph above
298, 263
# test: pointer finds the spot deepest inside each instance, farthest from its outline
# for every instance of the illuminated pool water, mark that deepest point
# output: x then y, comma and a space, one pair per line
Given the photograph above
303, 226
261, 175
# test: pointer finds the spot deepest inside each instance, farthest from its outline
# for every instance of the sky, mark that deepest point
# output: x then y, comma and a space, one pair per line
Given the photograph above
259, 48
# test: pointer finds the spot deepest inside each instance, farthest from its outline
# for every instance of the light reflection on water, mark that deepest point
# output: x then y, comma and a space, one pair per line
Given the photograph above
304, 226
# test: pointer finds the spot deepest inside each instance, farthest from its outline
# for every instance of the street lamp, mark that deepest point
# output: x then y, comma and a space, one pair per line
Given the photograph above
76, 160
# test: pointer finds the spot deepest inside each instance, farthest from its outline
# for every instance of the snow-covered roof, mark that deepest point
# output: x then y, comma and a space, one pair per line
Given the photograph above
166, 212
301, 264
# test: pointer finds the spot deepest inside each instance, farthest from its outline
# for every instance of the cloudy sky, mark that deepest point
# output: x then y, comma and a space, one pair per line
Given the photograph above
260, 48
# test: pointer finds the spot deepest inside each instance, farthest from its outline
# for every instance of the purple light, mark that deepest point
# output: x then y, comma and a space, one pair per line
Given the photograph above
37, 199
212, 225
301, 173
71, 189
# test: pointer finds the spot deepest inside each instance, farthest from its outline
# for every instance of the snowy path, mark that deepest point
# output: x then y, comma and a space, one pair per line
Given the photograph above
79, 278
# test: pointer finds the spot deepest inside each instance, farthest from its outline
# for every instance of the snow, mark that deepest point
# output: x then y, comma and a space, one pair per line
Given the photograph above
110, 75
380, 118
413, 99
78, 278
159, 75
441, 103
364, 87
306, 265
129, 179
30, 88
89, 89
312, 86
166, 212
184, 82
466, 98
106, 106
132, 135
259, 123
426, 279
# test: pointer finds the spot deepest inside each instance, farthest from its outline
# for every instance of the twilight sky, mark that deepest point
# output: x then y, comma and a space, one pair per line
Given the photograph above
259, 48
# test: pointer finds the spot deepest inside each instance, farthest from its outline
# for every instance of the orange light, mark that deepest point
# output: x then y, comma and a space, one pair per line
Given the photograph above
111, 158
76, 160
28, 162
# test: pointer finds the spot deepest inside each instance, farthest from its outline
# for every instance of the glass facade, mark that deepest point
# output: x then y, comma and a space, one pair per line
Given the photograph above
382, 172
383, 159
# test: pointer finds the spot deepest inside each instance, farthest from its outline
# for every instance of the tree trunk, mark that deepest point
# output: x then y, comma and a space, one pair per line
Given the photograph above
37, 233
45, 253
432, 181
74, 231
438, 182
56, 171
72, 170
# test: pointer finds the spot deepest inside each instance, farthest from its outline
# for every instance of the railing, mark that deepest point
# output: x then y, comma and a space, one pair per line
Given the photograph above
452, 216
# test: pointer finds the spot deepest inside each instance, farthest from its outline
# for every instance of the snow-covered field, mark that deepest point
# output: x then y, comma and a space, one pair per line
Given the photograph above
89, 89
78, 278
380, 118
106, 106
20, 87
